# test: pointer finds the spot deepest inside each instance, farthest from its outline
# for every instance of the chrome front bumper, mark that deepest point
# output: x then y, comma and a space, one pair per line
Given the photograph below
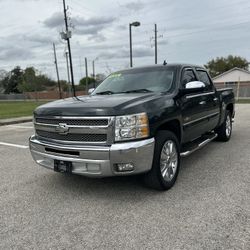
95, 161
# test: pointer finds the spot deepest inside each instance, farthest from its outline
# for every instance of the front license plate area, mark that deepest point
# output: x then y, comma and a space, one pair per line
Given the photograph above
63, 166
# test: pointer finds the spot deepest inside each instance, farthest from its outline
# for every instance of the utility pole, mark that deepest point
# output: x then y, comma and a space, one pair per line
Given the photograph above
93, 66
156, 43
67, 63
57, 73
67, 37
86, 70
155, 39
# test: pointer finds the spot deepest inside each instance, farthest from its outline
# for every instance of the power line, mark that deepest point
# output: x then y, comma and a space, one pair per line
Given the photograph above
166, 19
192, 14
212, 28
209, 29
84, 7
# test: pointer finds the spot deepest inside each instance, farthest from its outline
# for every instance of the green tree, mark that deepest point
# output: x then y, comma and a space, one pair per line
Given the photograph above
28, 80
11, 82
222, 64
44, 82
29, 83
91, 81
35, 81
3, 75
99, 78
64, 85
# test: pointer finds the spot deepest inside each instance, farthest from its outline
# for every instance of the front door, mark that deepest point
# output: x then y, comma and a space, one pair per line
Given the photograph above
211, 101
192, 108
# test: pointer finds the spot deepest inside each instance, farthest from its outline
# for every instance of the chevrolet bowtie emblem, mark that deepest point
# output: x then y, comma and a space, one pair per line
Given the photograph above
62, 128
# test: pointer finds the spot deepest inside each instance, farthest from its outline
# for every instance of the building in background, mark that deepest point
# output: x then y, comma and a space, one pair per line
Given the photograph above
238, 79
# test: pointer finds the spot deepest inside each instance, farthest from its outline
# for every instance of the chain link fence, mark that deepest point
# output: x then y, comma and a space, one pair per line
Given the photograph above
43, 95
12, 97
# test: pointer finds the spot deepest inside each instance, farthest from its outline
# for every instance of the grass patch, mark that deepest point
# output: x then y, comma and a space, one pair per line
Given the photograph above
13, 109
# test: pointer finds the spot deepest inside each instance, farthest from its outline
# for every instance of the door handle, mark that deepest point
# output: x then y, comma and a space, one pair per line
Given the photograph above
202, 102
215, 99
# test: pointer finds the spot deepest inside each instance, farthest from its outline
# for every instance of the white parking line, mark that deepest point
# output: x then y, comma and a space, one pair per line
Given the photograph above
13, 145
20, 126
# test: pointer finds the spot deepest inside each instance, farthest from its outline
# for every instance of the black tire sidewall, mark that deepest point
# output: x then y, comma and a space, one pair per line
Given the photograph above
222, 135
221, 131
161, 138
225, 127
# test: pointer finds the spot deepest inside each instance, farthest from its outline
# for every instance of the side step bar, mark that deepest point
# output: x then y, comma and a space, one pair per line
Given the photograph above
201, 142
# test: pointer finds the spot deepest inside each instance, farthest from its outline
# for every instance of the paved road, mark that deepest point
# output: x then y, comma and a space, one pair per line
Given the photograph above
208, 208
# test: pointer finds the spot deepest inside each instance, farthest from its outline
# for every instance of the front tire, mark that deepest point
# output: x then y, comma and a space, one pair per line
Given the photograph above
166, 162
225, 130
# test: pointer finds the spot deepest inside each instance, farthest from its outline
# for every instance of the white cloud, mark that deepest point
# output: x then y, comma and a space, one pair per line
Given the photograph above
138, 51
193, 31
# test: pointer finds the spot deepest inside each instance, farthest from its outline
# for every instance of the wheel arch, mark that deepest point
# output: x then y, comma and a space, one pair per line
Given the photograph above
173, 126
230, 108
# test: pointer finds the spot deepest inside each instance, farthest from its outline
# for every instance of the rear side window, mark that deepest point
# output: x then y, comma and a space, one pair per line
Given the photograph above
203, 77
188, 76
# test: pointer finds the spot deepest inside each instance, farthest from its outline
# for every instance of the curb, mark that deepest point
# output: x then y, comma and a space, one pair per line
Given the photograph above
15, 120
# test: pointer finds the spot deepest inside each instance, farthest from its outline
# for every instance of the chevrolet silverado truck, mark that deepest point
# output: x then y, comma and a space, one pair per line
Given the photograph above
137, 121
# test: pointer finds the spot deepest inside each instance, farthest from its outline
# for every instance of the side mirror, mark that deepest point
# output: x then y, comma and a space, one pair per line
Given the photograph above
90, 91
195, 85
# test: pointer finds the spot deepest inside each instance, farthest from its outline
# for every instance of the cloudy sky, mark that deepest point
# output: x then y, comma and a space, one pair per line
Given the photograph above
193, 31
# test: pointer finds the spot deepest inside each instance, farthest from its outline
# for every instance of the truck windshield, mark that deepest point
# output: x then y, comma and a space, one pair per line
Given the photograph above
137, 81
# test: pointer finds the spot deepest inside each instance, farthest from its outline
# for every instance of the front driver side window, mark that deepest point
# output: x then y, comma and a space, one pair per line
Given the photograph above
203, 77
188, 76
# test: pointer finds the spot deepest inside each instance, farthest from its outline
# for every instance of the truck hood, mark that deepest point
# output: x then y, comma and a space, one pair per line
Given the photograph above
99, 105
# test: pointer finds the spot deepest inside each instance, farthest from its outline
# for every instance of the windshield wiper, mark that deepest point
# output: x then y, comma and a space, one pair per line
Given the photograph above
138, 91
107, 92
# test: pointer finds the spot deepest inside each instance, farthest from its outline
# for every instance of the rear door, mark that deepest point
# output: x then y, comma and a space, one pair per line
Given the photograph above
210, 100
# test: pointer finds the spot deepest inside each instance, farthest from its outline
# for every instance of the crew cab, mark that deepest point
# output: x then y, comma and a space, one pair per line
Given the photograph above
137, 121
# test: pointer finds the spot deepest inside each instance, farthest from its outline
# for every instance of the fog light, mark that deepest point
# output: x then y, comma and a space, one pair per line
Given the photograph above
124, 167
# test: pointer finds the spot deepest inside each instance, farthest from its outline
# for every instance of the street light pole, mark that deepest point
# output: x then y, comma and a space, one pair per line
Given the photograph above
155, 43
130, 45
135, 24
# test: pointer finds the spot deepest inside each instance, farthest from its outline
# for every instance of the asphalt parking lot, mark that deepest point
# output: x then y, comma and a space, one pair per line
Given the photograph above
208, 208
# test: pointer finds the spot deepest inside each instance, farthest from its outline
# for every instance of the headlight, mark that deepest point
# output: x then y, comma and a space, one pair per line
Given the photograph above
131, 127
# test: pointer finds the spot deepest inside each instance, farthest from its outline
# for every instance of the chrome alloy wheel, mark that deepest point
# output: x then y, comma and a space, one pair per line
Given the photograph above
228, 126
168, 160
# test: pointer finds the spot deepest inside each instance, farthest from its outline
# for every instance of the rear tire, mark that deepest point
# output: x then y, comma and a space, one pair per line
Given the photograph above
166, 162
225, 130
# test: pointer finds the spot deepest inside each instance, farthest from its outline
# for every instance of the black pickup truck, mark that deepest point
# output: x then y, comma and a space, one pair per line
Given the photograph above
137, 121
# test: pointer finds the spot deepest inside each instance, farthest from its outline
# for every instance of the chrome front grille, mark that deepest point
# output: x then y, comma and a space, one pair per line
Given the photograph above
73, 137
75, 130
83, 122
